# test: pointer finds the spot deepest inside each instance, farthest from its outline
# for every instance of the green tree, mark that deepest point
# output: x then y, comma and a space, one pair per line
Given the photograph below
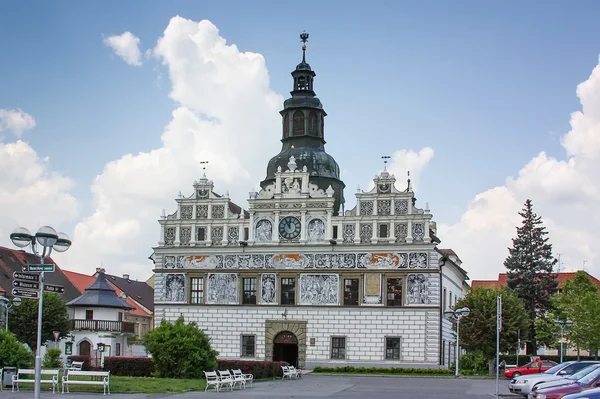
478, 329
579, 302
180, 350
12, 352
530, 264
23, 322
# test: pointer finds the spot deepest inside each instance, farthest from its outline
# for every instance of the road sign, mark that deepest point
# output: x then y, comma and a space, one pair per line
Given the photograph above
56, 334
25, 293
26, 276
39, 268
59, 289
30, 285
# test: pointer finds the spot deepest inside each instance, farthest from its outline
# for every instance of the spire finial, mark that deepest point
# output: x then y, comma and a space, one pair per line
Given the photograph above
304, 39
409, 188
203, 163
385, 160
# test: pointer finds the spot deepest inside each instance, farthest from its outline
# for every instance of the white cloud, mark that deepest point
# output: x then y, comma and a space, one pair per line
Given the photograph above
30, 194
226, 114
564, 192
126, 46
15, 121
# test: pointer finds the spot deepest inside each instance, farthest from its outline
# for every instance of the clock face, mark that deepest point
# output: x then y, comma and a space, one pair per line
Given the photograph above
203, 193
384, 188
289, 227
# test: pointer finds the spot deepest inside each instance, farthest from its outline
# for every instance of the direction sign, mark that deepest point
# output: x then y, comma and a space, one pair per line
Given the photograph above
26, 276
59, 289
39, 268
25, 293
30, 285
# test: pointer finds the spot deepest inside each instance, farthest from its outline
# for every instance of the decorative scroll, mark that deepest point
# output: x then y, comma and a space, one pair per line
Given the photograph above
186, 211
169, 235
218, 211
348, 234
263, 231
417, 289
400, 231
233, 235
325, 260
418, 231
216, 235
185, 235
366, 232
316, 230
384, 207
174, 288
268, 288
401, 207
319, 289
201, 211
222, 289
366, 208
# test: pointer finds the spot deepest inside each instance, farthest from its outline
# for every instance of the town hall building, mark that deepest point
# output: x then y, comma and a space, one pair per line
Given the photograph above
296, 277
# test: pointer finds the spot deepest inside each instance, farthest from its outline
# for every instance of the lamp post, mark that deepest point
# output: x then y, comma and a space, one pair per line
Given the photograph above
562, 324
48, 239
8, 304
457, 314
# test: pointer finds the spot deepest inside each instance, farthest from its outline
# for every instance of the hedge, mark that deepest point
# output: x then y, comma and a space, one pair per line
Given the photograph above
258, 368
129, 366
524, 359
382, 370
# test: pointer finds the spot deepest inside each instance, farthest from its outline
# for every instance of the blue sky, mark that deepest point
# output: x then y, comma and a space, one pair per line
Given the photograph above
487, 85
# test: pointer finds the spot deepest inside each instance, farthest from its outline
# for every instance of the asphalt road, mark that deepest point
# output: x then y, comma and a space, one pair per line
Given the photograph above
322, 386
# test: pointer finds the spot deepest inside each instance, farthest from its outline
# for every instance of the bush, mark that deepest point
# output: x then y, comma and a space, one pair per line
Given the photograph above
84, 359
129, 366
474, 363
258, 368
13, 353
382, 370
52, 359
180, 350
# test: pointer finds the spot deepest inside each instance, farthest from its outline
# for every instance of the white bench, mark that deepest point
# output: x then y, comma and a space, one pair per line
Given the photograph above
241, 378
104, 381
17, 378
225, 378
212, 379
75, 366
289, 372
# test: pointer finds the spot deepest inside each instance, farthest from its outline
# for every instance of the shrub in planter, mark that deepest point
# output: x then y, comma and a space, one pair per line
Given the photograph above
258, 368
129, 366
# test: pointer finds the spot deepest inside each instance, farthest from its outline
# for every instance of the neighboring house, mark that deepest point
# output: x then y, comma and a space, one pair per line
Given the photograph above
98, 326
298, 278
139, 316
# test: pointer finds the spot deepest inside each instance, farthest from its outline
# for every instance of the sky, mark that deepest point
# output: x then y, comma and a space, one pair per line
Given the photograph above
107, 109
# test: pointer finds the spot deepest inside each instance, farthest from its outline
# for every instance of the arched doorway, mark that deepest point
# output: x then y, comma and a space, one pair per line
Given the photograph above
285, 348
84, 348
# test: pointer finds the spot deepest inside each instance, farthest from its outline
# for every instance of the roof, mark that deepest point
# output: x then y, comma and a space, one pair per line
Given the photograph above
449, 252
13, 260
503, 280
100, 293
140, 291
82, 281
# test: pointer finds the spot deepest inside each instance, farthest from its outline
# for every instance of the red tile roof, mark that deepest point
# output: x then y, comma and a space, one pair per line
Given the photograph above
503, 280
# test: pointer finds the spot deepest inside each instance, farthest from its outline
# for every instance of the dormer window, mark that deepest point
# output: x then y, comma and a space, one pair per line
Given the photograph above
286, 125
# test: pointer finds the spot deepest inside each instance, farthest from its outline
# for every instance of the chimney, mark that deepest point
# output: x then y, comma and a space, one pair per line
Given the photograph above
100, 270
126, 276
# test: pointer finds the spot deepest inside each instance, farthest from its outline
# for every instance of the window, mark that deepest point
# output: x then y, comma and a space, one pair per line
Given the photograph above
286, 125
197, 290
249, 290
312, 123
118, 349
89, 315
443, 360
288, 294
298, 123
392, 348
383, 231
248, 345
120, 316
444, 300
394, 292
246, 233
338, 347
335, 232
201, 234
450, 301
351, 292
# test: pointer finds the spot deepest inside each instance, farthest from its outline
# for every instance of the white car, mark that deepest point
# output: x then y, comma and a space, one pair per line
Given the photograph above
572, 379
524, 384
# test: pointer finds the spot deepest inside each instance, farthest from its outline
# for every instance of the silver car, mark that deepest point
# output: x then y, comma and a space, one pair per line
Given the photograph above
524, 384
565, 381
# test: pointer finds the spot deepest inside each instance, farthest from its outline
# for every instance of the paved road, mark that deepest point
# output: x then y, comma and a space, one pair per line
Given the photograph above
321, 386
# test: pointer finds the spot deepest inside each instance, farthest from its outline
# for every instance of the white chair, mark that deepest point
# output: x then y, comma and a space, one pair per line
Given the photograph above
226, 379
238, 378
286, 372
212, 379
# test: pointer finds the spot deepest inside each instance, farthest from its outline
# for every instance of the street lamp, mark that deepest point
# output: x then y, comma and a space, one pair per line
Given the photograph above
562, 324
48, 239
8, 304
457, 314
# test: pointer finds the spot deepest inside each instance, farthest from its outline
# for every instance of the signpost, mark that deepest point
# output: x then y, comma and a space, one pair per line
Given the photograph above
59, 289
31, 285
48, 267
26, 276
25, 293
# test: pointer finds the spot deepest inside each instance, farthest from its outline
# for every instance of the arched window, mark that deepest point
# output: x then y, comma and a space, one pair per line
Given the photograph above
298, 123
301, 83
313, 125
286, 125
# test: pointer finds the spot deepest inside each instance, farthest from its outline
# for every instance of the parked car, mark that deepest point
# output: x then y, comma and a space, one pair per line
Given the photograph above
524, 384
592, 380
566, 381
535, 367
593, 393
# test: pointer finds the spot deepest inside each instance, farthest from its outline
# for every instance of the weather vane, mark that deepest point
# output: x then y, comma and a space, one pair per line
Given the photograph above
304, 37
385, 160
203, 163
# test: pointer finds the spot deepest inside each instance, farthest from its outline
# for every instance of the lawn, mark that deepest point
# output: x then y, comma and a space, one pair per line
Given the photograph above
135, 385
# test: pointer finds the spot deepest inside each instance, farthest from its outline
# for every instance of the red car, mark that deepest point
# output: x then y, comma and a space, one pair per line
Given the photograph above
591, 380
535, 367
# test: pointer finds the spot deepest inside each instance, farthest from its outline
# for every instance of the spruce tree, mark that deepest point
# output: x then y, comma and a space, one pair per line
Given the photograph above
530, 269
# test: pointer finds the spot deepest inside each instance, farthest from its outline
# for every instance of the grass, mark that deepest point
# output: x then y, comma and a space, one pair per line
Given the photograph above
149, 385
